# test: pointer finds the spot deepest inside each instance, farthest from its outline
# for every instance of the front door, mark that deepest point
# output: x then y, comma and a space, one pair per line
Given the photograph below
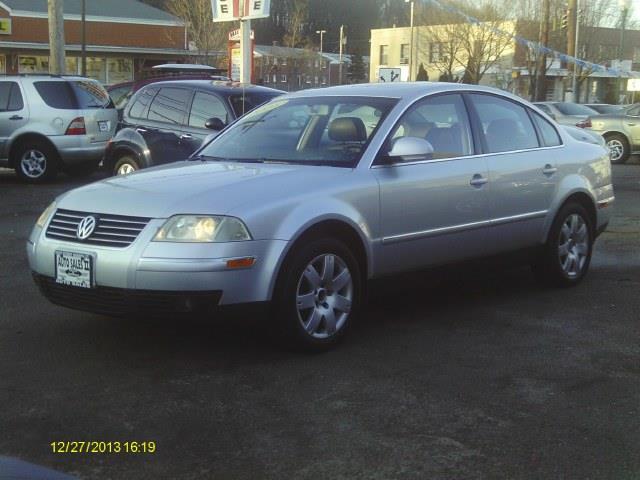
434, 210
205, 105
13, 113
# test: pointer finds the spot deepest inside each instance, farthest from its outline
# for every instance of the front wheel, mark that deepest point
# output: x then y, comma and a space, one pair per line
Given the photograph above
318, 295
126, 164
566, 256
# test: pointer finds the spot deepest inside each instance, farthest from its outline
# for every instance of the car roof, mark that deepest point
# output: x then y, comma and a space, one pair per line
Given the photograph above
406, 90
219, 86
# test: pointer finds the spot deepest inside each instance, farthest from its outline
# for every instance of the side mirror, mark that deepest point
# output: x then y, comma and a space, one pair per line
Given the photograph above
409, 149
214, 123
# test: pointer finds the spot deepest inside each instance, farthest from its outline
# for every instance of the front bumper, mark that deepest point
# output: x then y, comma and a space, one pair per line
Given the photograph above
127, 278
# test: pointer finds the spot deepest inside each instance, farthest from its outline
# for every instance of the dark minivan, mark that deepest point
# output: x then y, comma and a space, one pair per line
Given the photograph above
167, 121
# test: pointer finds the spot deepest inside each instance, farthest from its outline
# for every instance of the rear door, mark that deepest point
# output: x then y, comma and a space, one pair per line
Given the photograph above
632, 125
13, 113
522, 169
164, 124
99, 112
205, 105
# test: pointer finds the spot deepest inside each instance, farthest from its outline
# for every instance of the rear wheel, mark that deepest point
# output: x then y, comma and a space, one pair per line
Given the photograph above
318, 295
619, 149
126, 164
566, 256
35, 161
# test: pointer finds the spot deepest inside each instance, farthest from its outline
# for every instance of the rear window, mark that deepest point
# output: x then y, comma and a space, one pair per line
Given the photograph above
243, 103
73, 95
91, 94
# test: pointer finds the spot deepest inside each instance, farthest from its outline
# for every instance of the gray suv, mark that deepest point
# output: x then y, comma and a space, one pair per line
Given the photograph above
50, 123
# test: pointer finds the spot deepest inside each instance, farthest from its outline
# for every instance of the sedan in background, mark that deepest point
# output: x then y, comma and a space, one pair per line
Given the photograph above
605, 108
621, 131
168, 121
299, 203
566, 113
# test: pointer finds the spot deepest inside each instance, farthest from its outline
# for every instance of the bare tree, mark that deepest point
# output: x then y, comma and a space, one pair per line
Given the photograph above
209, 38
297, 19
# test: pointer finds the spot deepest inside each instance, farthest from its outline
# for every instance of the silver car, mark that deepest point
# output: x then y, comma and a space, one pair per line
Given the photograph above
621, 132
567, 113
50, 123
300, 202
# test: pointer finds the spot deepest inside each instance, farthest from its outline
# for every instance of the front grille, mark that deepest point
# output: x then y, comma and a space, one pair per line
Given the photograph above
111, 230
120, 301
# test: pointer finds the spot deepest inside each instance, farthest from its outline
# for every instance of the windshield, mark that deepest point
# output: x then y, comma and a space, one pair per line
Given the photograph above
575, 109
243, 103
320, 131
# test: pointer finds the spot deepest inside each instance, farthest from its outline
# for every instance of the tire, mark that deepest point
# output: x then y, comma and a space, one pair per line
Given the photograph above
619, 149
126, 163
565, 258
83, 170
35, 161
330, 312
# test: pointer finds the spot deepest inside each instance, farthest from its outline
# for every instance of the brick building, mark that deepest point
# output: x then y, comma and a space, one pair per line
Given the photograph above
124, 38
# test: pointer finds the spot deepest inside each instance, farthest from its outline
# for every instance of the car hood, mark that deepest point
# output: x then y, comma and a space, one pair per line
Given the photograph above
194, 187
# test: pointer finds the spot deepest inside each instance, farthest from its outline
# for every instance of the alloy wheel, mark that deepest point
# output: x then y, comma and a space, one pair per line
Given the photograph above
125, 168
573, 245
33, 163
616, 149
324, 296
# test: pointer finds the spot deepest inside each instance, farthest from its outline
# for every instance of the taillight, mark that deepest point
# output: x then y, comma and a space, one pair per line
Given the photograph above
76, 127
584, 123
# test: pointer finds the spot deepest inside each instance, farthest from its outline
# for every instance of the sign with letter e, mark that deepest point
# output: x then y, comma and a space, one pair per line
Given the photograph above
256, 9
225, 10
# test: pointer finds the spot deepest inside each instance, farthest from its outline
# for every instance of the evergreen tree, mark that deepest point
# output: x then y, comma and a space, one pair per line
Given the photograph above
357, 73
422, 76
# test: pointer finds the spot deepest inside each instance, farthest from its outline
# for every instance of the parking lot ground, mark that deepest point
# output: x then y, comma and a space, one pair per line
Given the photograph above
481, 374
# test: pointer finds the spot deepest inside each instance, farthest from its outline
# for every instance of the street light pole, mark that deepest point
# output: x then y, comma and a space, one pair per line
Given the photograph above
574, 79
84, 38
624, 5
321, 33
411, 40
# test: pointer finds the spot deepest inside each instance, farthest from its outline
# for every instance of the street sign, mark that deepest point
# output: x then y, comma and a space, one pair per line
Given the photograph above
389, 75
256, 9
633, 85
234, 35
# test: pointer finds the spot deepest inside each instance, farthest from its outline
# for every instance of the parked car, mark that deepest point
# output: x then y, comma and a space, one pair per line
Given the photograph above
566, 113
168, 121
621, 132
50, 123
605, 108
121, 92
301, 201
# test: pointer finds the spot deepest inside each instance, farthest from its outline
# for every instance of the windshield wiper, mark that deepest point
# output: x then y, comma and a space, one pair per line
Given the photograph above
207, 158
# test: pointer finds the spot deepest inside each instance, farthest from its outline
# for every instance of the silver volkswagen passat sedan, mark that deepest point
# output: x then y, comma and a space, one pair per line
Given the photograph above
300, 202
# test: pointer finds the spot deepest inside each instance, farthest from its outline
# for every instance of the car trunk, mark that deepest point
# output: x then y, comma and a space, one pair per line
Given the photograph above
100, 115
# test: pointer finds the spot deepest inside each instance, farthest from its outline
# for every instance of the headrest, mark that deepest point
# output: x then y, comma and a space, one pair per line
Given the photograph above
347, 129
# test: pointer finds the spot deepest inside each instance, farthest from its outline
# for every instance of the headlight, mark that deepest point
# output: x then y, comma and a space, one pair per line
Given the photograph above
196, 228
44, 216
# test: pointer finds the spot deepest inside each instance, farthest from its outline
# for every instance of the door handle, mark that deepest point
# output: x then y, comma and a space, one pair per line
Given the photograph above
549, 169
16, 117
631, 124
141, 130
478, 180
186, 136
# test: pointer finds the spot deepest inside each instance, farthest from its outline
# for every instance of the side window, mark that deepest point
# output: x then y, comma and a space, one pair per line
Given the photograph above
204, 107
634, 112
505, 124
15, 98
442, 121
170, 106
550, 137
544, 108
10, 97
143, 99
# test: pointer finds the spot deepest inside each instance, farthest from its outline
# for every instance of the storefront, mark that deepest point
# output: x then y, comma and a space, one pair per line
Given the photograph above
121, 46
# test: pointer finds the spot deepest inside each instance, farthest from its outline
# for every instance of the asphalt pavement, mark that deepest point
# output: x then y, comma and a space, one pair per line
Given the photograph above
476, 374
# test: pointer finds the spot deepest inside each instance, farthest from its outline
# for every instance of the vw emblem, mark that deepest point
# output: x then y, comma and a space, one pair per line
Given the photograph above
86, 227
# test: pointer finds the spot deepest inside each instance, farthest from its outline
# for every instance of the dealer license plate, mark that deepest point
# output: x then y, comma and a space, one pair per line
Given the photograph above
75, 269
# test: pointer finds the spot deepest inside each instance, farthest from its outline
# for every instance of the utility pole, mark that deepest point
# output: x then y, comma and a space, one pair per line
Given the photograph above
411, 40
56, 37
321, 33
84, 37
574, 79
571, 37
340, 55
544, 40
245, 45
624, 5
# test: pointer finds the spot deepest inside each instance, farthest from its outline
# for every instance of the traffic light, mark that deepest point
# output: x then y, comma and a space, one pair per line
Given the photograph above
564, 23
